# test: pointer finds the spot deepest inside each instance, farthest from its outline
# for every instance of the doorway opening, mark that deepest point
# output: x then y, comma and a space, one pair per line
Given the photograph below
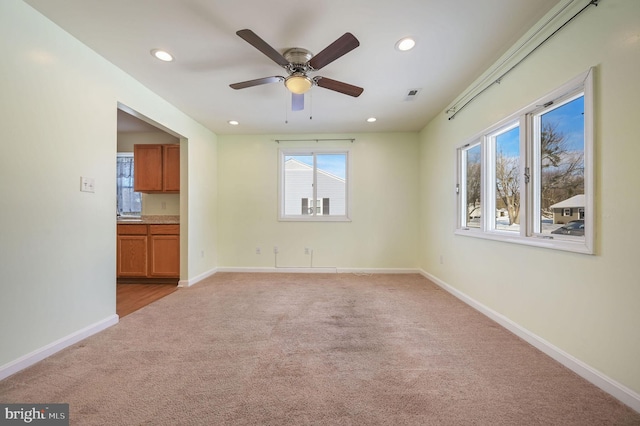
147, 217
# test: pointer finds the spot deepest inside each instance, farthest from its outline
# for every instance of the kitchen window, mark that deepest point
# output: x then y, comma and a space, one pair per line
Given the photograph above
129, 202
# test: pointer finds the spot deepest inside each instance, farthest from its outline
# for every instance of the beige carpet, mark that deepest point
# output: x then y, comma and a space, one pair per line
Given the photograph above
296, 349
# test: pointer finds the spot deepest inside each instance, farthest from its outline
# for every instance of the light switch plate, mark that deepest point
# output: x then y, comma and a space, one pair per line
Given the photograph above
87, 184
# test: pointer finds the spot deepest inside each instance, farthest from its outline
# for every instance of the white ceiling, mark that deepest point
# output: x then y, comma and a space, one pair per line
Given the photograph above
456, 41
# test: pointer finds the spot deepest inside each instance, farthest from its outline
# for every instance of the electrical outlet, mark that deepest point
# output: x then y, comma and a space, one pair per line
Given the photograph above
258, 250
441, 260
306, 250
275, 249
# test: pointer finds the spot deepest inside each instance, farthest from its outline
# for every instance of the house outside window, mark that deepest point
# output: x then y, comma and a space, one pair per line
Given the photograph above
314, 185
321, 206
567, 210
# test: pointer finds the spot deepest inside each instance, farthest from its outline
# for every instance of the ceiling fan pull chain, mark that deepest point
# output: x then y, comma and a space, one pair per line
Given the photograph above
286, 107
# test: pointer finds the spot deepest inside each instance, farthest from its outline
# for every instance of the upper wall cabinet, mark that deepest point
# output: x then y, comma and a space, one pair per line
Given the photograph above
156, 168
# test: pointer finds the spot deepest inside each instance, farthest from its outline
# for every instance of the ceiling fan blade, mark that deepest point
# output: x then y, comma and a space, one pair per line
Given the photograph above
256, 82
297, 102
254, 40
341, 46
339, 86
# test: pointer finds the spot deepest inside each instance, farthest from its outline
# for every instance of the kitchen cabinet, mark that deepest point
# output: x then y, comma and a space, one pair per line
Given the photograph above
164, 251
156, 168
132, 250
171, 168
148, 251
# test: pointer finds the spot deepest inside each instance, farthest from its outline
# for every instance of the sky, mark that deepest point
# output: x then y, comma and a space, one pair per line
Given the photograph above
509, 142
569, 119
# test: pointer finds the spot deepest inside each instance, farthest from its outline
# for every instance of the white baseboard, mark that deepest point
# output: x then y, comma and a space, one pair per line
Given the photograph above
378, 271
50, 349
197, 278
615, 389
281, 269
322, 270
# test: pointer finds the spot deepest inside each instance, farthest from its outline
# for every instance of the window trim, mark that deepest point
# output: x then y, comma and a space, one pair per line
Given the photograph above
582, 83
282, 153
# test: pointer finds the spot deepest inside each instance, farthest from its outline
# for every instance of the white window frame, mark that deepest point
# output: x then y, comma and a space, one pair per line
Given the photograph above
282, 154
529, 233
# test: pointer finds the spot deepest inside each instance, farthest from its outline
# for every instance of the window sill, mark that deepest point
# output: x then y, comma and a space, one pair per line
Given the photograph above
581, 247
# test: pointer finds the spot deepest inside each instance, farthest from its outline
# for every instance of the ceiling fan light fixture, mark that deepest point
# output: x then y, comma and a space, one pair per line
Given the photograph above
298, 83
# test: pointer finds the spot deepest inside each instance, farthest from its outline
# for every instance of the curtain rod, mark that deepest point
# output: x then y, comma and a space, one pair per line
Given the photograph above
456, 110
313, 140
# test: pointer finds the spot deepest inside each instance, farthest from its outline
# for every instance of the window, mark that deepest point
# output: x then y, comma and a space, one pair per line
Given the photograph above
129, 202
505, 165
313, 185
529, 178
471, 185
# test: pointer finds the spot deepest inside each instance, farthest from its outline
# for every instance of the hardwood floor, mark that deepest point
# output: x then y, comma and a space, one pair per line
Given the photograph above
131, 297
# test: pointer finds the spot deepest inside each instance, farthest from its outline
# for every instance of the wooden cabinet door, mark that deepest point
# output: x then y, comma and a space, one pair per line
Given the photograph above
147, 170
171, 168
132, 256
164, 256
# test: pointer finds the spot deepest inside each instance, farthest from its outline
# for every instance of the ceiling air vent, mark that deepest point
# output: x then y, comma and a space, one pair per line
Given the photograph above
411, 94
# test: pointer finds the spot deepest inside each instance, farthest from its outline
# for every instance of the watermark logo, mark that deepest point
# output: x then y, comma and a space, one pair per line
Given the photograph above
34, 414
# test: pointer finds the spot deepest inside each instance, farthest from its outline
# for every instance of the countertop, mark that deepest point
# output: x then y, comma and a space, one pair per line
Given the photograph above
149, 220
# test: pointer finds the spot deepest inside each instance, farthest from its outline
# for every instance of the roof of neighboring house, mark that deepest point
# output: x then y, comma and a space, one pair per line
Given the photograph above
575, 201
293, 164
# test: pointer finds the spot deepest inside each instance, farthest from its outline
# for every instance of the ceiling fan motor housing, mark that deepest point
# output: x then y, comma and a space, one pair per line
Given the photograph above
298, 60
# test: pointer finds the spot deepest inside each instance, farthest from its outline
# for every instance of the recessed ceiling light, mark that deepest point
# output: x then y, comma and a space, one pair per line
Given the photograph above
233, 122
405, 44
163, 55
371, 119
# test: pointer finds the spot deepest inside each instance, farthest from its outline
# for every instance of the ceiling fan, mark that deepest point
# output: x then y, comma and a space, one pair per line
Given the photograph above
298, 63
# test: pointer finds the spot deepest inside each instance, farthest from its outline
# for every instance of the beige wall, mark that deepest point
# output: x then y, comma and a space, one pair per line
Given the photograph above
585, 305
384, 213
126, 140
57, 245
